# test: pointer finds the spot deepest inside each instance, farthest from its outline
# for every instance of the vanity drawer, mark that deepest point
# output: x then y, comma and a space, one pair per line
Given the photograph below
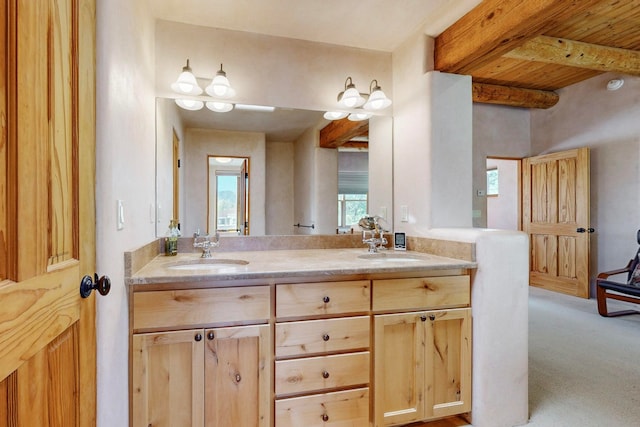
342, 408
322, 336
199, 307
312, 299
320, 373
421, 293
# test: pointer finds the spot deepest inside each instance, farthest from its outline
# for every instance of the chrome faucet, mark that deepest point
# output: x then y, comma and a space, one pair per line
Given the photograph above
206, 242
372, 233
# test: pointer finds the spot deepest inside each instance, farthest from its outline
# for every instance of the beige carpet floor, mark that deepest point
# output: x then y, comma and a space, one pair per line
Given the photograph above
584, 369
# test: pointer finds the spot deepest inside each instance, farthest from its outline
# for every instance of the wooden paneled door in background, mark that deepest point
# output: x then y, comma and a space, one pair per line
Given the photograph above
556, 217
47, 212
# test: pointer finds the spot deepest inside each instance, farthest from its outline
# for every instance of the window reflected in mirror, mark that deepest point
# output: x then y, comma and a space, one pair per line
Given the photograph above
228, 195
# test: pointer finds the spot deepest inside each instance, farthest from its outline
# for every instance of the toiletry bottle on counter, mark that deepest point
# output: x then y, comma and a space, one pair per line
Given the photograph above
171, 239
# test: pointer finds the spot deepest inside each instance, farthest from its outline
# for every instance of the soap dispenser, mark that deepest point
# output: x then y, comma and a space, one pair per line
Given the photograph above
171, 239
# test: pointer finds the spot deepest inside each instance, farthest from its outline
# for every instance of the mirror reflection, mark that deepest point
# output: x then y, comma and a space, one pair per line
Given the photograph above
291, 186
228, 183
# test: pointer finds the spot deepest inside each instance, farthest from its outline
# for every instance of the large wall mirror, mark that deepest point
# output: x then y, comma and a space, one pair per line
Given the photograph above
291, 186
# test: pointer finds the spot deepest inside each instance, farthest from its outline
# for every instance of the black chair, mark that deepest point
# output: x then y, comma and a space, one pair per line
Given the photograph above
628, 292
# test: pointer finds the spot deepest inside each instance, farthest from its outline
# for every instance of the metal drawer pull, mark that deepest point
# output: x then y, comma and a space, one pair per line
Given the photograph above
325, 374
325, 337
326, 299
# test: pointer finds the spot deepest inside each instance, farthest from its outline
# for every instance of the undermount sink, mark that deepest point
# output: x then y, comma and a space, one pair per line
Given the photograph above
390, 257
207, 264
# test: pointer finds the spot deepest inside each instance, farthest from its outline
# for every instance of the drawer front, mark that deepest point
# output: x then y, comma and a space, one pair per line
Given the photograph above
421, 293
342, 408
312, 299
320, 373
322, 336
187, 308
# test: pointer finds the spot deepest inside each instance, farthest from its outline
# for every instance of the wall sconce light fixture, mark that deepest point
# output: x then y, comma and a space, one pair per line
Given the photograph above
352, 99
219, 89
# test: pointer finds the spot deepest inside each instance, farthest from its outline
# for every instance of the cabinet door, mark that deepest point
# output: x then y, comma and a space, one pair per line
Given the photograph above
448, 362
399, 369
238, 377
168, 382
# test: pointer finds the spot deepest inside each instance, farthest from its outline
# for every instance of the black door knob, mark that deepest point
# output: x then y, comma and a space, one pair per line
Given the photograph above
87, 285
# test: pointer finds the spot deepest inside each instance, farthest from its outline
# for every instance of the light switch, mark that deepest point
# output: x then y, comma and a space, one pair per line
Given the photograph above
404, 213
383, 212
120, 215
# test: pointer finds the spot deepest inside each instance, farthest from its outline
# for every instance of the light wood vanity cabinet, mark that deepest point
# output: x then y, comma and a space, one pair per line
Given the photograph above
336, 353
422, 356
322, 367
213, 377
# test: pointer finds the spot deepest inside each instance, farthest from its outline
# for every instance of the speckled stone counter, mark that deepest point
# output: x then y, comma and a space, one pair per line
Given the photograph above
301, 263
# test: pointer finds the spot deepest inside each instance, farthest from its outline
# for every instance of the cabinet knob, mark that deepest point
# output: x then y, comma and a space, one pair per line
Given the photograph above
325, 417
325, 337
211, 335
325, 374
238, 378
326, 299
432, 317
198, 337
423, 318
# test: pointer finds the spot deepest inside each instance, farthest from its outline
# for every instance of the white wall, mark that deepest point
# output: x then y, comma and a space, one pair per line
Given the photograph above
167, 121
268, 70
279, 188
380, 198
503, 208
315, 185
125, 170
588, 115
432, 142
501, 132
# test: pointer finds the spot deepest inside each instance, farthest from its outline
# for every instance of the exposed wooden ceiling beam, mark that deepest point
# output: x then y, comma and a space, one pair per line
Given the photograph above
555, 50
339, 132
495, 27
513, 96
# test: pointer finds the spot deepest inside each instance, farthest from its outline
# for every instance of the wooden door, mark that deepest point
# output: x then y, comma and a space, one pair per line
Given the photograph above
556, 217
176, 177
168, 379
243, 199
238, 377
447, 362
398, 369
47, 212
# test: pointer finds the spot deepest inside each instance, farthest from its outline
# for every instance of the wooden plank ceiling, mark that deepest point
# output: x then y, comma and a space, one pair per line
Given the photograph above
519, 52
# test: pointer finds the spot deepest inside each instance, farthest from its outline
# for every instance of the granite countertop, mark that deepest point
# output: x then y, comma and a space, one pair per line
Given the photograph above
287, 263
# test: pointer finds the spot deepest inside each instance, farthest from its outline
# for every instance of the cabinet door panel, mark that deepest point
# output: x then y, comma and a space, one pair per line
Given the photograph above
448, 362
237, 370
399, 369
168, 384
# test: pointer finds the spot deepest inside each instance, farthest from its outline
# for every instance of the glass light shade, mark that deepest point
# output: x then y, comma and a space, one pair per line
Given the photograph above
190, 104
357, 117
377, 100
186, 83
335, 115
220, 87
219, 107
351, 98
